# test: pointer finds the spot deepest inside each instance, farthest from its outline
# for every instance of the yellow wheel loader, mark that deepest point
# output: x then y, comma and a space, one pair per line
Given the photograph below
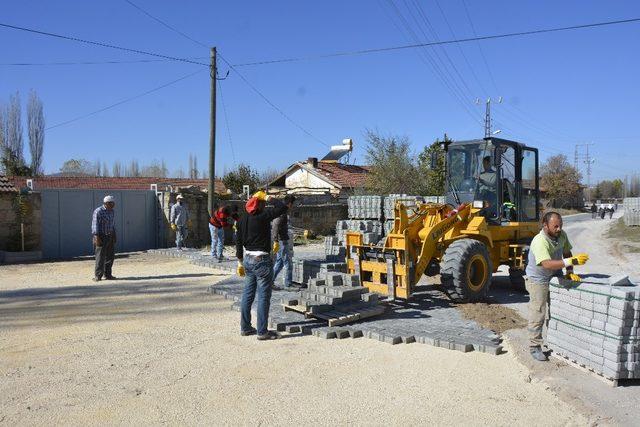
489, 218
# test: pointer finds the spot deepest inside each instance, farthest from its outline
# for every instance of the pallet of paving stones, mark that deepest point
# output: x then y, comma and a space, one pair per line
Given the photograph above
333, 250
595, 324
372, 230
337, 298
407, 200
364, 207
305, 269
631, 211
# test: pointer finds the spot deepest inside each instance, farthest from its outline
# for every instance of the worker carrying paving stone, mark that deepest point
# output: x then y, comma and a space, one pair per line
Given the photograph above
282, 238
253, 249
549, 253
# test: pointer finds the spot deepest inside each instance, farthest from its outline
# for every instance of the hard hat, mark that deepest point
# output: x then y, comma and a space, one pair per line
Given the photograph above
179, 197
108, 199
260, 195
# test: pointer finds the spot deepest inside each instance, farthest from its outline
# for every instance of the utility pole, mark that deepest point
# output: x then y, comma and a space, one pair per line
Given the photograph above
212, 136
487, 116
585, 158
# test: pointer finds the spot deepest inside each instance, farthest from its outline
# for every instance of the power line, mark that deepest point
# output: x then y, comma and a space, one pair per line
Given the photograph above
252, 87
226, 120
101, 44
131, 61
175, 30
275, 107
140, 95
441, 42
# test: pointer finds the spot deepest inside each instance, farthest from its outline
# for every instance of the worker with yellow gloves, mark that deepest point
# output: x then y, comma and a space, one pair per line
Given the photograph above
253, 249
180, 222
549, 253
283, 245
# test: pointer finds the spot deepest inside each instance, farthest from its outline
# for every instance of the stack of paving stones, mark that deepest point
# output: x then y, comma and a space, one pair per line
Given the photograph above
435, 199
333, 250
305, 269
391, 199
331, 291
365, 207
595, 324
631, 211
429, 318
372, 230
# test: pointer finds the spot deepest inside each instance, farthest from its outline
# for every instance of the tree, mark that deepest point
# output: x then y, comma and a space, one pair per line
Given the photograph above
155, 169
105, 169
133, 170
560, 180
78, 167
242, 175
433, 179
13, 144
35, 126
268, 175
117, 169
392, 167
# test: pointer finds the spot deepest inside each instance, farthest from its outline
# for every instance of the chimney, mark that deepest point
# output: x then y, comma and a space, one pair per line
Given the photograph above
313, 162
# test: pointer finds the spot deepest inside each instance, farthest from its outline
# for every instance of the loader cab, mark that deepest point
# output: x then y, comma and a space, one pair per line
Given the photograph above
497, 175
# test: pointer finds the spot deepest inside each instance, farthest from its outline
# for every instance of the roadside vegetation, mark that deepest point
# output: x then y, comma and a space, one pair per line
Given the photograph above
629, 237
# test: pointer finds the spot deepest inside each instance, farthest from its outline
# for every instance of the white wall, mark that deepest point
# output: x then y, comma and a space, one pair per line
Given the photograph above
302, 178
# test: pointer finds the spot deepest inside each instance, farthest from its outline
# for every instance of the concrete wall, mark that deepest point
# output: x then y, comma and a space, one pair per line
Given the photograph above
321, 219
10, 238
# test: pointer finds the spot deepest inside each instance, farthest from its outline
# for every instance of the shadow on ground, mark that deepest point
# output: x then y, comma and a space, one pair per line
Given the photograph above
104, 301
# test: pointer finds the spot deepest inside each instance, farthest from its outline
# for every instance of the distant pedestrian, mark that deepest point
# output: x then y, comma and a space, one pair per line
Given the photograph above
180, 222
223, 218
611, 210
283, 244
602, 211
104, 238
594, 211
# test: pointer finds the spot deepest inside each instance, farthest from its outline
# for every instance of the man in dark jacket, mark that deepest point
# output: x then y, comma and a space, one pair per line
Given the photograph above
253, 249
283, 244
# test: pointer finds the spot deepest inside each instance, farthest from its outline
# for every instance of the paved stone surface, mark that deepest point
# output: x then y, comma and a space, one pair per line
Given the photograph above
428, 319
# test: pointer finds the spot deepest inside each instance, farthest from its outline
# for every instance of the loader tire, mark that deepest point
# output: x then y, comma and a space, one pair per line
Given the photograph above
516, 277
466, 271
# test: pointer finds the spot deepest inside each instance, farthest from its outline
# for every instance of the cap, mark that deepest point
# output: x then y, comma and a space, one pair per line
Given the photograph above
108, 199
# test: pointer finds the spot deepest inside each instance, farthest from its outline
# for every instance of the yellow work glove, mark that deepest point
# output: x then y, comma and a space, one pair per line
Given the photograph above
240, 269
276, 247
235, 229
189, 223
579, 259
174, 227
261, 195
572, 276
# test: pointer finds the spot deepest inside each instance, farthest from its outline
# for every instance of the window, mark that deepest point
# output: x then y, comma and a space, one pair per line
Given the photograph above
529, 186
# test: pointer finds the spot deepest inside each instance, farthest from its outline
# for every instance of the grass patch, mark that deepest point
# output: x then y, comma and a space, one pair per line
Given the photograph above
624, 234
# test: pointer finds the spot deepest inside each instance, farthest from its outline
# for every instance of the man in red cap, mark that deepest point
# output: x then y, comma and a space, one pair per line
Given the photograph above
253, 249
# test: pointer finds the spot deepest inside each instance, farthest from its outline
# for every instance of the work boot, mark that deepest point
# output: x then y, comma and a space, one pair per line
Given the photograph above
270, 335
537, 354
96, 279
248, 332
110, 277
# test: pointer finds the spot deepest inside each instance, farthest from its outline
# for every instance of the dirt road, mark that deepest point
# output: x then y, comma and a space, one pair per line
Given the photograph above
155, 348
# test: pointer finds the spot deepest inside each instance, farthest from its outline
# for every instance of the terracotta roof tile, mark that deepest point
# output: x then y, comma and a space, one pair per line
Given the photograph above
348, 176
6, 186
111, 183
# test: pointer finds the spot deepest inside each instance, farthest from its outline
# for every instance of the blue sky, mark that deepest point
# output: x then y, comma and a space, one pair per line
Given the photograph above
558, 89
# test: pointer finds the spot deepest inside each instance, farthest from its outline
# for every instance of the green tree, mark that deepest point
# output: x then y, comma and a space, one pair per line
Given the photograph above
432, 178
392, 166
560, 180
242, 175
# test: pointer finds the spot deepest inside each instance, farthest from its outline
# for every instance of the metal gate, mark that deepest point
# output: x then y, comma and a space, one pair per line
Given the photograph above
66, 221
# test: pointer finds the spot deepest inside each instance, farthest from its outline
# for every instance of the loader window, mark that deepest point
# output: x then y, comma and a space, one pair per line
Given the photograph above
529, 186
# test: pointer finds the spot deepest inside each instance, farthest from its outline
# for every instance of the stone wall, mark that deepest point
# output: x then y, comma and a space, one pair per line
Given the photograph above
10, 236
320, 219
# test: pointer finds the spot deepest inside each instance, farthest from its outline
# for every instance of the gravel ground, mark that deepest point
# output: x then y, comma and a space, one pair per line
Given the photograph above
155, 348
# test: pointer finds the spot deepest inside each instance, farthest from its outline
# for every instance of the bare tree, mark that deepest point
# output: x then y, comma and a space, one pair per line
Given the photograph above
134, 169
35, 125
179, 173
98, 168
105, 169
78, 167
117, 169
13, 147
3, 137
